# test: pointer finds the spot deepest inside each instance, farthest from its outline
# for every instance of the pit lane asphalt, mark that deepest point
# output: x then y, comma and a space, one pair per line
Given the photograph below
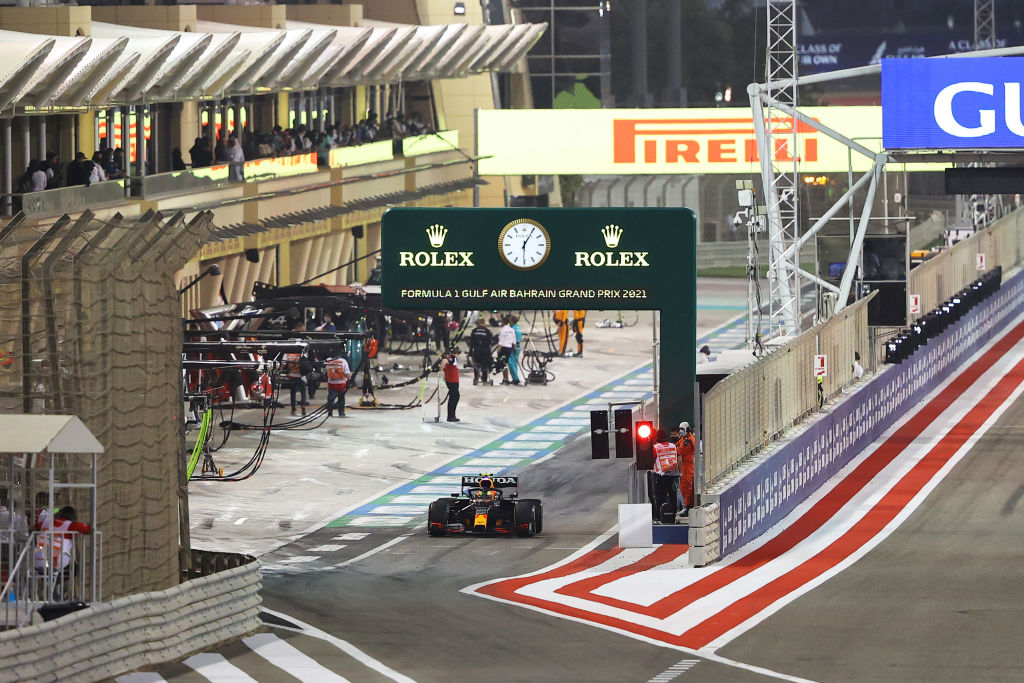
941, 599
403, 605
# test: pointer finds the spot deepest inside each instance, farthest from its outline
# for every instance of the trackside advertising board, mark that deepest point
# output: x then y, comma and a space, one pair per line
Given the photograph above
462, 258
591, 259
964, 103
630, 141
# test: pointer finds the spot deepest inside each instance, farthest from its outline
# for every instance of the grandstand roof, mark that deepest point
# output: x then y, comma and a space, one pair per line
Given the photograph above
124, 65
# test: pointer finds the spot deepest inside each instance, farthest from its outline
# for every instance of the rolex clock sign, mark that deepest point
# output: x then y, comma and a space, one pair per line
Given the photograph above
594, 258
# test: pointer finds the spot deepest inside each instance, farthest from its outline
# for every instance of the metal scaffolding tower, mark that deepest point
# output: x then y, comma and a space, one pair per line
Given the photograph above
984, 24
776, 133
977, 211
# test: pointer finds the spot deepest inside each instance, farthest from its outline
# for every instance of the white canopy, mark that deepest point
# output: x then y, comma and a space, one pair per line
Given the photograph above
51, 433
123, 65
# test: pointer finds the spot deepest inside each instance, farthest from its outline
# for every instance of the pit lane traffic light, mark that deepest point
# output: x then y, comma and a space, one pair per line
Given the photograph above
599, 434
623, 432
643, 439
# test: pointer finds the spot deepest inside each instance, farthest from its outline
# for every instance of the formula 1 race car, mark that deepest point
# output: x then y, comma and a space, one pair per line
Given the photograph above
482, 507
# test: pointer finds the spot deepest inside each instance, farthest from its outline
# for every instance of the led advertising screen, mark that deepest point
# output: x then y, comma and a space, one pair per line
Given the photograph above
962, 103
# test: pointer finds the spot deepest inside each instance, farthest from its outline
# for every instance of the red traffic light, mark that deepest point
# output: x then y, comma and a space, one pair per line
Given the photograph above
644, 444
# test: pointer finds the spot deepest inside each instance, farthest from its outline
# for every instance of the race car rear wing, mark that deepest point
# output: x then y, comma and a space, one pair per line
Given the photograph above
499, 482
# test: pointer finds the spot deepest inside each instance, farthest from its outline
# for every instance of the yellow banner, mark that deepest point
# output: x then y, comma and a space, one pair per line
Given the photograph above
635, 141
281, 167
443, 141
367, 153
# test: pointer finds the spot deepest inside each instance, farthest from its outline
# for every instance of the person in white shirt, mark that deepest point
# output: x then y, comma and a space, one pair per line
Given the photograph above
858, 369
506, 344
704, 355
236, 158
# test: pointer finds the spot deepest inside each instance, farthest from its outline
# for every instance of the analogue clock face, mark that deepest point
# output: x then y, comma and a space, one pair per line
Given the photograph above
524, 244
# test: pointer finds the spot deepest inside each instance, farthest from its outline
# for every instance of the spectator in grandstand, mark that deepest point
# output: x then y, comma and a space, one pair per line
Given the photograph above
112, 166
286, 143
704, 355
200, 153
368, 128
94, 170
249, 150
236, 158
400, 126
34, 179
416, 125
53, 169
303, 141
77, 175
220, 152
387, 128
177, 163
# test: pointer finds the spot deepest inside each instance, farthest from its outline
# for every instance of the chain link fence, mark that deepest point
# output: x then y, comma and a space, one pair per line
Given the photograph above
90, 326
942, 276
747, 410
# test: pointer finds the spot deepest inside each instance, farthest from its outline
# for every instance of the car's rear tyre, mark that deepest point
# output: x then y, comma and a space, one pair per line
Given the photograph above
526, 518
437, 516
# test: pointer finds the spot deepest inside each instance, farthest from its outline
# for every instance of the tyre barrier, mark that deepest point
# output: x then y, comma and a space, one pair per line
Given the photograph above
765, 490
141, 630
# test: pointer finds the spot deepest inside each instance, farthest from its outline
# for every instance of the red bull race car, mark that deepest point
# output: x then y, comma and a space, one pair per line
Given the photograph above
482, 507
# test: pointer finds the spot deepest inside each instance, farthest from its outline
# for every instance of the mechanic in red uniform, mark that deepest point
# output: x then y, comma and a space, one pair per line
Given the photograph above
685, 447
450, 367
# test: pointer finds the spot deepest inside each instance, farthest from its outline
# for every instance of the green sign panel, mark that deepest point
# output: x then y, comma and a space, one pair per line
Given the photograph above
610, 258
593, 258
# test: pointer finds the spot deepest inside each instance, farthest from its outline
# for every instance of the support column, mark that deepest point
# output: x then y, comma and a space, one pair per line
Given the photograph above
26, 140
42, 138
126, 140
154, 135
140, 139
8, 166
87, 138
283, 106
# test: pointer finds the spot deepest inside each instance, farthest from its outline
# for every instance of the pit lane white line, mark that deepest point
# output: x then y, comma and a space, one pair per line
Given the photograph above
368, 553
343, 645
287, 657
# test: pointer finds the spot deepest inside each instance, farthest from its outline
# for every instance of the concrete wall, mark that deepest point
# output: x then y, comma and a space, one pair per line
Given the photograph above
264, 16
54, 21
168, 18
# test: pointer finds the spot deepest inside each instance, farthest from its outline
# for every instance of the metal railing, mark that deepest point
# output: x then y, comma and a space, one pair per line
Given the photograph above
51, 566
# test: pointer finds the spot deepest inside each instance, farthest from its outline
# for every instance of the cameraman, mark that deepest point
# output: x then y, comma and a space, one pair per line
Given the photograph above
450, 368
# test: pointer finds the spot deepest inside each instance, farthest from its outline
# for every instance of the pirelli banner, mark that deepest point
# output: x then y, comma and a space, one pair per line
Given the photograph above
624, 141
